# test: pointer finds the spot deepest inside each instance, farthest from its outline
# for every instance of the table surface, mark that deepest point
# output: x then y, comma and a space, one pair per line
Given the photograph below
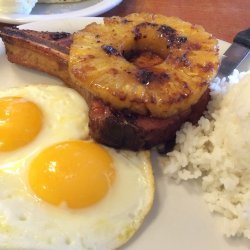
222, 18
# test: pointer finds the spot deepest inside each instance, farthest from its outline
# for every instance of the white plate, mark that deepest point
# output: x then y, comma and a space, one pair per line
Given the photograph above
179, 219
65, 10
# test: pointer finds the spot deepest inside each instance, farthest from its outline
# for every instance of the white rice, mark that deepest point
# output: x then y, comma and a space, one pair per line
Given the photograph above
217, 152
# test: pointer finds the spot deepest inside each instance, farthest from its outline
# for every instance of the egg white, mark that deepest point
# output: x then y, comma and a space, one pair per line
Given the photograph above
65, 116
27, 222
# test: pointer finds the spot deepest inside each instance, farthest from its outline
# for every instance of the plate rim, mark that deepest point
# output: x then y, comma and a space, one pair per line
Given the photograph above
93, 10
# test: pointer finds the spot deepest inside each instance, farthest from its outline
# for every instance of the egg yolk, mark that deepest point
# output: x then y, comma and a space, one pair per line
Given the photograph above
78, 173
20, 122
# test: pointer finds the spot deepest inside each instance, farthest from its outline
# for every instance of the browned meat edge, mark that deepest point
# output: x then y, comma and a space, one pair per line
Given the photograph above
122, 129
48, 52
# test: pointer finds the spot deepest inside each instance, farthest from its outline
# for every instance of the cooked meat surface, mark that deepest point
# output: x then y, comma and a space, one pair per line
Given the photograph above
118, 128
44, 51
123, 129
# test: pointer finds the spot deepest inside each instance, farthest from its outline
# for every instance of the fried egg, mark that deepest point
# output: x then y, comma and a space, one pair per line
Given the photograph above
61, 190
34, 117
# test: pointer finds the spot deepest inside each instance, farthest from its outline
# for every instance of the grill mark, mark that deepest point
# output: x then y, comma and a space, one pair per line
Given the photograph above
166, 30
146, 76
137, 32
173, 39
125, 21
183, 60
110, 50
59, 35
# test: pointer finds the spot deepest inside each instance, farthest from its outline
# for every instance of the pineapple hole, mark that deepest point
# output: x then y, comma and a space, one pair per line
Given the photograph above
143, 58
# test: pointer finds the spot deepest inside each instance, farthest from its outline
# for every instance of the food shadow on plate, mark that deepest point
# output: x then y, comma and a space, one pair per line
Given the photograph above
238, 242
157, 204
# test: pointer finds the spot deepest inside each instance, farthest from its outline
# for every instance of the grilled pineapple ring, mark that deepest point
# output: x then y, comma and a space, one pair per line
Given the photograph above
150, 64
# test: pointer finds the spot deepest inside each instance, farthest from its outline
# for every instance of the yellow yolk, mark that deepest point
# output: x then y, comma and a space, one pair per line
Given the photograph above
20, 122
77, 173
